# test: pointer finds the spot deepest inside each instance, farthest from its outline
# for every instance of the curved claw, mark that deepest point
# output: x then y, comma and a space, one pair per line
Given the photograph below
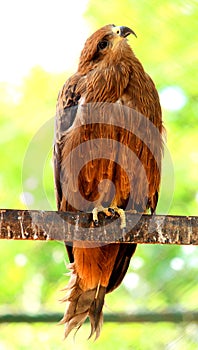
96, 223
111, 210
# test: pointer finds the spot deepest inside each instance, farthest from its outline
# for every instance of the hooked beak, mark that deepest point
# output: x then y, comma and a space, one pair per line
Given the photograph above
123, 31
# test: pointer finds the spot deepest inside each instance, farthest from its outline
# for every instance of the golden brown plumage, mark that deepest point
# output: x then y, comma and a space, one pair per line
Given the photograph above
108, 127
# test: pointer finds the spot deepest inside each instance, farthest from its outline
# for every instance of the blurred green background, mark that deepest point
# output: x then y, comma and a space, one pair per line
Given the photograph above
32, 273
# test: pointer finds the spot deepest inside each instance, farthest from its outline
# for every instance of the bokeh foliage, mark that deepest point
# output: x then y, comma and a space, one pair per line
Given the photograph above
159, 277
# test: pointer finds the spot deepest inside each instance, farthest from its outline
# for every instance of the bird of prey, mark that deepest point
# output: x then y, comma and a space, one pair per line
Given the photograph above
107, 157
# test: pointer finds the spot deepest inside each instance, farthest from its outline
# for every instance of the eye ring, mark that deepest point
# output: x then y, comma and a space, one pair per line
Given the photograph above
103, 44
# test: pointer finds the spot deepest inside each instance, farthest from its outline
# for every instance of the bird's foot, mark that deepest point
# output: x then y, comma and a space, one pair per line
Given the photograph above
111, 211
95, 212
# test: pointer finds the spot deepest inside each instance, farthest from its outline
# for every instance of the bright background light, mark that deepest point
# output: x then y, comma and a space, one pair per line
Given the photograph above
39, 39
40, 32
173, 98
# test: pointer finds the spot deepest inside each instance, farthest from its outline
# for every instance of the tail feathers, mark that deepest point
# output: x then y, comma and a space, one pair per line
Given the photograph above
95, 312
81, 304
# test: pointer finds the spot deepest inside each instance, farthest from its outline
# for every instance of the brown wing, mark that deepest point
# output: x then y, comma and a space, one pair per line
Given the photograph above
65, 116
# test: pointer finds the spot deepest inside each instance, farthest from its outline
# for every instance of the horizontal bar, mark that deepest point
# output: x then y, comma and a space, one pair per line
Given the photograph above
69, 227
151, 317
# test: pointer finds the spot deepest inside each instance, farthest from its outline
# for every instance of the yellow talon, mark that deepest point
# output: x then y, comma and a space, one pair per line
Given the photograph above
122, 217
95, 212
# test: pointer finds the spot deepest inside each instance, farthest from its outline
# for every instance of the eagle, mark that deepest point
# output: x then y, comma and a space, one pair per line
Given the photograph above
107, 157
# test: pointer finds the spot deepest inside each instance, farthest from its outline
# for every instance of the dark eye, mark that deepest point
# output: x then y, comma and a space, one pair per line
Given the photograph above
102, 44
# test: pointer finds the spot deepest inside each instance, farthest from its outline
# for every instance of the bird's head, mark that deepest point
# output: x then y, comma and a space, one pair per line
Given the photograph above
105, 42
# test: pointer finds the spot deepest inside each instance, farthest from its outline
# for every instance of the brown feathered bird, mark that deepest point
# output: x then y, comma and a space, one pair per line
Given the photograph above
109, 105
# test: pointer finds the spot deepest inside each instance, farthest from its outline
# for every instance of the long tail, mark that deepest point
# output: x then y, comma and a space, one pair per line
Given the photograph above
81, 304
